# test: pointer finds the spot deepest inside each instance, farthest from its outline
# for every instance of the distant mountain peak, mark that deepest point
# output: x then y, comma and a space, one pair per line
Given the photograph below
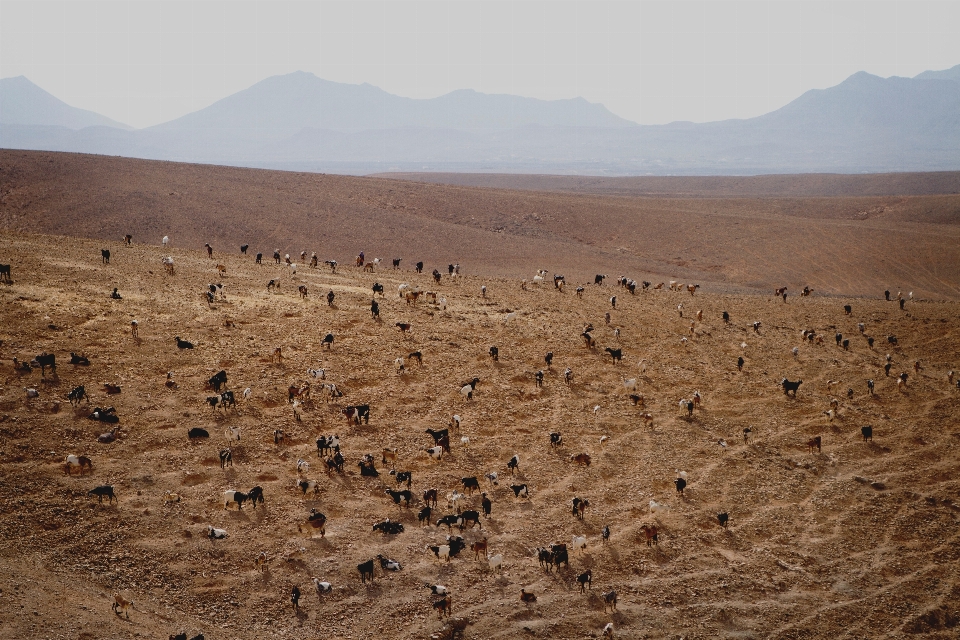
24, 103
953, 73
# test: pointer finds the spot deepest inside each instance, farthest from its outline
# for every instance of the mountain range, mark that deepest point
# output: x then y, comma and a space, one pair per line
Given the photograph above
301, 122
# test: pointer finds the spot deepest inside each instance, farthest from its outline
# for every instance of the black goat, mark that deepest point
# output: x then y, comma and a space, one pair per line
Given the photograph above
790, 387
615, 354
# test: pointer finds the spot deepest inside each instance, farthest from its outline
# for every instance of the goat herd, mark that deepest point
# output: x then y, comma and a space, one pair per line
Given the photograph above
330, 448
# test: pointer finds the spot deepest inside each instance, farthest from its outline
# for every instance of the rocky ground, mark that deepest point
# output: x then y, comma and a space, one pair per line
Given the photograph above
841, 235
858, 540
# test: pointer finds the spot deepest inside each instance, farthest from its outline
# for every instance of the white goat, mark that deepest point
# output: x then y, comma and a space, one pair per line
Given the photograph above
656, 507
579, 543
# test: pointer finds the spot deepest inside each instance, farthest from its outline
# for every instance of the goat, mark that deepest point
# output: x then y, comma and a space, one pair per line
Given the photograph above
218, 380
317, 520
77, 461
400, 496
121, 605
651, 534
527, 597
197, 432
586, 580
681, 484
234, 496
514, 463
442, 552
454, 499
255, 495
226, 457
5, 273
424, 515
578, 543
568, 375
321, 587
615, 354
581, 459
609, 600
656, 507
216, 534
469, 484
605, 533
183, 344
556, 439
579, 506
389, 528
335, 463
43, 361
492, 477
867, 433
403, 476
469, 515
388, 564
494, 353
495, 563
367, 468
445, 605
101, 491
723, 518
366, 571
357, 414
520, 490
77, 394
478, 547
79, 360
308, 485
790, 387
105, 256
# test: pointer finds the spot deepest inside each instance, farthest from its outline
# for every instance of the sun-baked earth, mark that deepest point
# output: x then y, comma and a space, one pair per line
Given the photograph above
858, 540
841, 235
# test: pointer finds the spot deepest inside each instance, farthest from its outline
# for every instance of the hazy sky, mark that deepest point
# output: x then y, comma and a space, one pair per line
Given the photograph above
143, 62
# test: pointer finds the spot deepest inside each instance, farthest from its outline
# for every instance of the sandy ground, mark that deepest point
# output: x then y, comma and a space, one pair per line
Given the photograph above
840, 235
858, 540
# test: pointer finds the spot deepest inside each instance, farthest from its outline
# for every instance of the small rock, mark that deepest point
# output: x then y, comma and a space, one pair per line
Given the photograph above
879, 486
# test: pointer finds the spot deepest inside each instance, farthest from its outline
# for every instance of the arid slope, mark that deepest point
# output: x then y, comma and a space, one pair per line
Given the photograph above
857, 540
729, 240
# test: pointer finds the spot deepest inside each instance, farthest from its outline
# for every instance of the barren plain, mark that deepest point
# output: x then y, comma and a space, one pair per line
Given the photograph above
857, 540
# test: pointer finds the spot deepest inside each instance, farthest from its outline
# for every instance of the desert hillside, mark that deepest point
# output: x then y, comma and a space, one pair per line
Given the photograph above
727, 238
856, 540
